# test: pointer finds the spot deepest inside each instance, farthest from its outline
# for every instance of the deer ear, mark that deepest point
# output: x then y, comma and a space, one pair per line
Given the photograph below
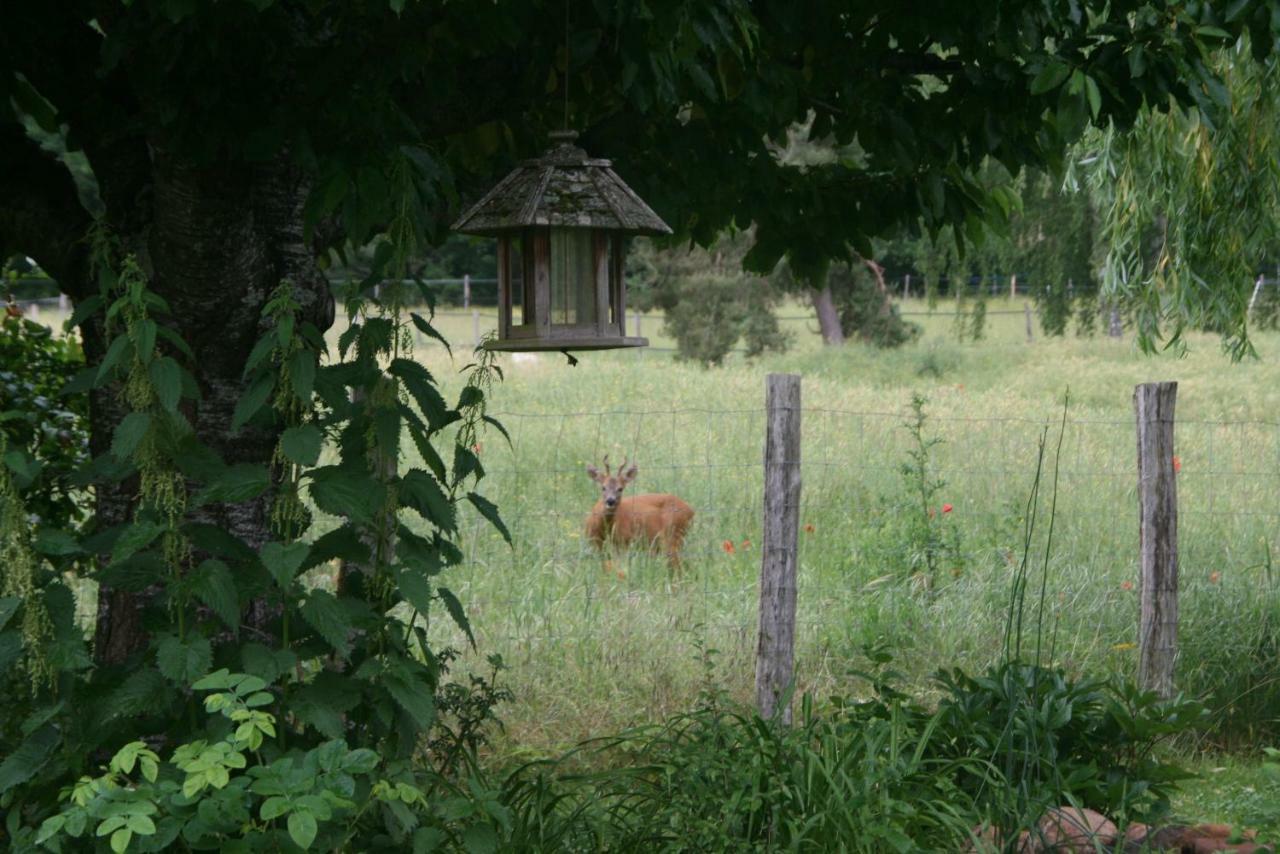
630, 474
593, 473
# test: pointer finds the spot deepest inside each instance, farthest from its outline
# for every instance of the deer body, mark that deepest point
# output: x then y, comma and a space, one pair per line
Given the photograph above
658, 521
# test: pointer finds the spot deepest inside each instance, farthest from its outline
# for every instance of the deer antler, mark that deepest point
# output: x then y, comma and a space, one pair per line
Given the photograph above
606, 465
622, 467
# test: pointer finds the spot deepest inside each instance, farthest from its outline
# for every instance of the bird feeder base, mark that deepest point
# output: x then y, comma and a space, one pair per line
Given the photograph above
522, 345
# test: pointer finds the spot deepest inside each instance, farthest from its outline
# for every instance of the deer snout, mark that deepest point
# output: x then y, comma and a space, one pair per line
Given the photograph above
611, 502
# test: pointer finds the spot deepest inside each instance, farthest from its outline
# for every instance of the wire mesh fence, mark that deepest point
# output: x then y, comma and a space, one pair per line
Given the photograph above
875, 560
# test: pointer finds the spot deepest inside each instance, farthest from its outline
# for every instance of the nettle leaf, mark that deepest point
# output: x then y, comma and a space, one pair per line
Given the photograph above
323, 702
166, 377
411, 686
342, 543
129, 434
348, 492
53, 542
465, 464
134, 538
497, 425
23, 465
415, 587
218, 542
85, 309
302, 444
489, 510
430, 457
146, 340
454, 607
214, 585
134, 573
260, 351
421, 492
111, 358
184, 662
430, 331
417, 552
302, 374
420, 384
252, 401
284, 562
23, 763
266, 663
324, 613
143, 690
8, 607
234, 484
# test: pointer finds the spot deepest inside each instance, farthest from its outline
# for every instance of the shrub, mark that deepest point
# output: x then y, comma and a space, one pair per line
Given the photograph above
709, 314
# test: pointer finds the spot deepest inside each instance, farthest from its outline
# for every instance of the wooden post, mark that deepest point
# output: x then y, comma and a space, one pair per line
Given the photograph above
466, 290
1013, 286
1257, 286
1157, 537
1026, 310
906, 286
475, 327
775, 650
1115, 328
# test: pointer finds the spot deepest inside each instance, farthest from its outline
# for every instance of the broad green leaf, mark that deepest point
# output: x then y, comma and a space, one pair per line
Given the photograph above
85, 308
302, 374
324, 613
415, 587
112, 357
430, 331
215, 586
8, 607
342, 543
1095, 97
145, 342
241, 482
480, 839
166, 377
283, 561
420, 384
129, 434
347, 492
302, 444
22, 763
184, 663
252, 401
134, 538
409, 685
489, 510
1051, 76
57, 543
302, 828
420, 491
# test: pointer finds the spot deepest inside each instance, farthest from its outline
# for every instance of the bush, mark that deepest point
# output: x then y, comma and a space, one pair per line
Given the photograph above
866, 312
709, 314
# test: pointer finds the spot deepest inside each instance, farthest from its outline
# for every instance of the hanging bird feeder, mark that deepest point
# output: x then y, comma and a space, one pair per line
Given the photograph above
561, 221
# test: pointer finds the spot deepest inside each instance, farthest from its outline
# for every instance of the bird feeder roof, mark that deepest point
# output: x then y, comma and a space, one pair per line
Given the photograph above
562, 188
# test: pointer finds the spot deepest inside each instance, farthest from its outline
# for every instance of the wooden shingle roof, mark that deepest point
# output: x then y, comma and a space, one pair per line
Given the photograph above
563, 188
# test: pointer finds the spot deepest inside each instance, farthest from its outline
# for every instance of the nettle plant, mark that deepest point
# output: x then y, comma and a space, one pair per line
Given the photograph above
324, 694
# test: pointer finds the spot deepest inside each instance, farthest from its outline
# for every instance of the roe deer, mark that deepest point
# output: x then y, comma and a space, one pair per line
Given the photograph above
657, 521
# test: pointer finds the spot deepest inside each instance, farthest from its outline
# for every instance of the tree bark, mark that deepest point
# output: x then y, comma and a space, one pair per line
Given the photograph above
828, 316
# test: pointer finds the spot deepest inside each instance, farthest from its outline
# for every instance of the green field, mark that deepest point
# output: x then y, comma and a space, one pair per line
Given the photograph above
591, 653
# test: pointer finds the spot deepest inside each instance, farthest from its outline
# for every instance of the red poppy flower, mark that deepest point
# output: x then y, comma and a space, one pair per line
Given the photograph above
946, 508
1126, 585
746, 544
808, 529
1215, 577
727, 545
477, 447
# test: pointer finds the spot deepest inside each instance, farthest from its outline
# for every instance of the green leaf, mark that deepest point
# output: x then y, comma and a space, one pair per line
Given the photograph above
342, 543
489, 510
134, 538
302, 374
430, 331
53, 542
146, 340
241, 482
30, 756
409, 685
252, 401
184, 663
302, 444
120, 840
284, 562
420, 491
1051, 76
22, 464
214, 585
419, 383
85, 308
480, 839
1095, 97
415, 587
129, 434
347, 492
417, 552
260, 351
302, 828
8, 607
273, 807
113, 355
166, 377
454, 607
324, 613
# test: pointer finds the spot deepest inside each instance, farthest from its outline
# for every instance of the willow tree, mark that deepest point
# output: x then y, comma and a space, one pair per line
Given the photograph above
1190, 197
235, 145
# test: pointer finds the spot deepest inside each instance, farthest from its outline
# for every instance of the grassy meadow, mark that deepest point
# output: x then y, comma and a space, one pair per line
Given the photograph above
591, 652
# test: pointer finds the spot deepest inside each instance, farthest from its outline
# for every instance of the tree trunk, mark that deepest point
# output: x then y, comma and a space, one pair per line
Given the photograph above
219, 241
828, 317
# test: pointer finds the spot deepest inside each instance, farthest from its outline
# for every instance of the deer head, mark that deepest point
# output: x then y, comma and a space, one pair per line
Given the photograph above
611, 485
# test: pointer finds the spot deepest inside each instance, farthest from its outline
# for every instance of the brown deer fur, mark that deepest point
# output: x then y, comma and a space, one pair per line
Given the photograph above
656, 521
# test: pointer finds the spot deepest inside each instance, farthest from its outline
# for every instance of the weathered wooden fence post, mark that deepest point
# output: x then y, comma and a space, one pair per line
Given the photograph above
1157, 537
466, 290
775, 649
1026, 310
1115, 328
